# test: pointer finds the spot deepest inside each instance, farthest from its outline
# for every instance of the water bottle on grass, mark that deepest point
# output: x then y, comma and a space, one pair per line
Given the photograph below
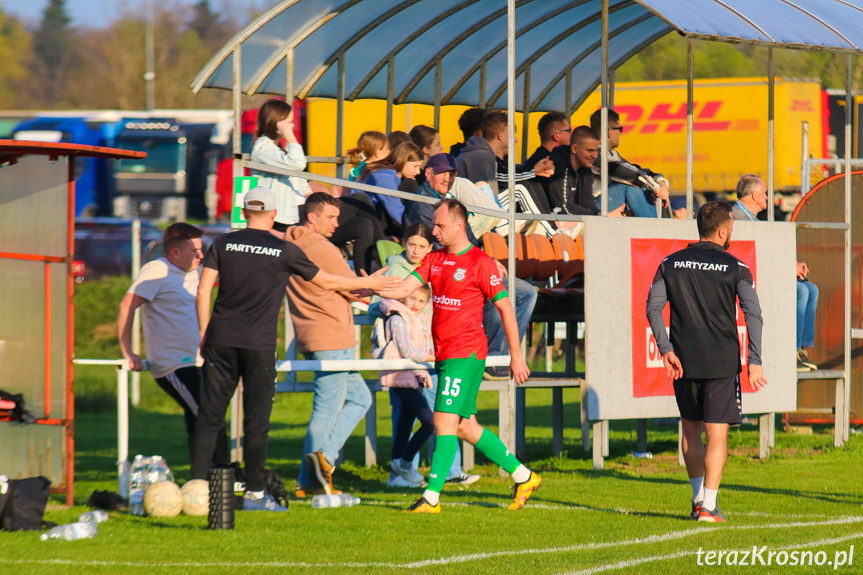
94, 517
158, 470
137, 485
71, 532
339, 500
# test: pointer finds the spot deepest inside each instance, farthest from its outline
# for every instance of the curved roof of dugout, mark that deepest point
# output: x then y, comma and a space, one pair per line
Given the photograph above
455, 51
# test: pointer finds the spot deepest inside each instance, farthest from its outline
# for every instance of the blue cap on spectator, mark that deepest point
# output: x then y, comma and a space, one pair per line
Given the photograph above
441, 163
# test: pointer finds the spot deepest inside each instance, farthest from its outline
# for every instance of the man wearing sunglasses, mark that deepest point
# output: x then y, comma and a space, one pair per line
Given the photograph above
628, 183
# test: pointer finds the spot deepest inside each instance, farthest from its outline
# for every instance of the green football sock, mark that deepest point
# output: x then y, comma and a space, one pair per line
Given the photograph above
444, 454
493, 448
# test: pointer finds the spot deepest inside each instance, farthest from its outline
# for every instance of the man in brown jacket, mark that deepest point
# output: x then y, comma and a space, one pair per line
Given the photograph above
324, 328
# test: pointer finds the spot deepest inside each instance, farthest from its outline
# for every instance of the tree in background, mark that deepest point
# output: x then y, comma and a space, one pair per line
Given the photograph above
54, 55
15, 46
210, 27
665, 59
111, 74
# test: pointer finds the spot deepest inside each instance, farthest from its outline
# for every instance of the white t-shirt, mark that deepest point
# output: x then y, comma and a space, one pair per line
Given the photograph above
169, 316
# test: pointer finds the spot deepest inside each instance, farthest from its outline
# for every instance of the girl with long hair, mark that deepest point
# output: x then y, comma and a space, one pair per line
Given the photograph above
275, 123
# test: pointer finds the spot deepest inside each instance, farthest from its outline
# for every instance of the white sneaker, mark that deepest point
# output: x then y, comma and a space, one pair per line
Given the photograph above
396, 480
463, 479
407, 472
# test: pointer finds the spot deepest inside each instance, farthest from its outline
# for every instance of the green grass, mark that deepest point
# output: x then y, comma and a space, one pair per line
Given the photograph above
807, 494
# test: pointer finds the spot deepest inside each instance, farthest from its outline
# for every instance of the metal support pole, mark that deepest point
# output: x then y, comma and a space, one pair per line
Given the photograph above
237, 94
237, 424
482, 84
641, 435
771, 103
340, 114
804, 164
372, 432
289, 74
604, 126
557, 421
525, 115
567, 94
507, 407
123, 429
150, 74
690, 126
391, 77
438, 79
136, 318
843, 408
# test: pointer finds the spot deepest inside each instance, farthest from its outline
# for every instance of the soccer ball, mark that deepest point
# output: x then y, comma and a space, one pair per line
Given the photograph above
163, 499
196, 497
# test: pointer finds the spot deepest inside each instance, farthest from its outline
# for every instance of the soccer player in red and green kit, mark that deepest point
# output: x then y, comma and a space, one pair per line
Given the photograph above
462, 276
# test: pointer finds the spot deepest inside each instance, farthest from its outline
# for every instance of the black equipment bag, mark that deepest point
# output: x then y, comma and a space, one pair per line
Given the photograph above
22, 506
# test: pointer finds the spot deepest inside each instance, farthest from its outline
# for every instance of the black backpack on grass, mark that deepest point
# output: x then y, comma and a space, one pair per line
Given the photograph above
22, 503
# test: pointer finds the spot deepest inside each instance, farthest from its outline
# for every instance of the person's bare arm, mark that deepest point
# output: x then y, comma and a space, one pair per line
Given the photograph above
517, 365
403, 288
204, 299
377, 282
128, 305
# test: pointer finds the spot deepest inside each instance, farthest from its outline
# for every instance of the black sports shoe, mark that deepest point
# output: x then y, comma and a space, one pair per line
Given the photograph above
696, 510
803, 358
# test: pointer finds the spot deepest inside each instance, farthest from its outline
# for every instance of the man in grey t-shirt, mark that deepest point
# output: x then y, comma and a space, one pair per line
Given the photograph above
165, 290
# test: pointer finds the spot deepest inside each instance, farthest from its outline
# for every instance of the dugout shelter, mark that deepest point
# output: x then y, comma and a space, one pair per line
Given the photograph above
37, 338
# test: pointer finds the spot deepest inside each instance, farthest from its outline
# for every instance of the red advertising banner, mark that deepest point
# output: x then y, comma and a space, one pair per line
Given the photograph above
649, 377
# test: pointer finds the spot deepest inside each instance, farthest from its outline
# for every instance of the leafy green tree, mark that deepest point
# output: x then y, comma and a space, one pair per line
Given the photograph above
54, 50
15, 51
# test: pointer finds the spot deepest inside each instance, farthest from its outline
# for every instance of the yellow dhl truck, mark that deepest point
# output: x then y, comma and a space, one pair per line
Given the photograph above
729, 117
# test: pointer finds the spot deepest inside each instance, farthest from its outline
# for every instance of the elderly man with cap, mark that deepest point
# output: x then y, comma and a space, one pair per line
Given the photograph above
441, 173
253, 267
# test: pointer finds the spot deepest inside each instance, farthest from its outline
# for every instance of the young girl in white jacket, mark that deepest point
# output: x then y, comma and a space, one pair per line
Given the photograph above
276, 122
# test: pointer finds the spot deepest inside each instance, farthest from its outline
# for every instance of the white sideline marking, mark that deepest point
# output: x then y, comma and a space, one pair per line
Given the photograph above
633, 562
576, 507
473, 556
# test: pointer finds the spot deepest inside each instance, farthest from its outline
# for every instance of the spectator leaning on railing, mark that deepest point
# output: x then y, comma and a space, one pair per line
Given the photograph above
165, 290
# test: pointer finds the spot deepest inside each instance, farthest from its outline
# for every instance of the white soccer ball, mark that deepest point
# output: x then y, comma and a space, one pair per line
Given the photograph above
196, 497
163, 499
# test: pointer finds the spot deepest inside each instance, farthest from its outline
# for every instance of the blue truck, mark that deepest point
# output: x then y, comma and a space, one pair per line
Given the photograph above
175, 181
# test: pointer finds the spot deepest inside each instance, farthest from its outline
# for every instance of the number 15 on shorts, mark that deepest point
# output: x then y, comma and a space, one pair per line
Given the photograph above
451, 387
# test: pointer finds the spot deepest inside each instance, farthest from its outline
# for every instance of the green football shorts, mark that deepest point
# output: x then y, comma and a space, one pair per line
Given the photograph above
458, 383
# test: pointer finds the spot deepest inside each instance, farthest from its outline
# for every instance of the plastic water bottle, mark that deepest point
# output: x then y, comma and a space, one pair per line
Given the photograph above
137, 485
94, 517
339, 500
158, 470
71, 532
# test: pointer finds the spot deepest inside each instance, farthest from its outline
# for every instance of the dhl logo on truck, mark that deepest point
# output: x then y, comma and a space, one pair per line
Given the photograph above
672, 116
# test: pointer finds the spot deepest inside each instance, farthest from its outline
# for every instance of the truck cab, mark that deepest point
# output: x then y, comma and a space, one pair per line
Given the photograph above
172, 182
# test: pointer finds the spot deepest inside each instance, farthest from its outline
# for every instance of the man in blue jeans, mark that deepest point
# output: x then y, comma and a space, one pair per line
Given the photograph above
628, 183
751, 201
324, 328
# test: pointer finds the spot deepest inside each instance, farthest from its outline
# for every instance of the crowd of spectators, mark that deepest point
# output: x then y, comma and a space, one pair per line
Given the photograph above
561, 177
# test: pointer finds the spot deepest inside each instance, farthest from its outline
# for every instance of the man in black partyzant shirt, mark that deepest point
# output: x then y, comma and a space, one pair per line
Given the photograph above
702, 284
253, 267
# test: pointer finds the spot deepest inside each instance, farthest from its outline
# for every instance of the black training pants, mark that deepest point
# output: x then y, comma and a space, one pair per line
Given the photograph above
223, 367
184, 386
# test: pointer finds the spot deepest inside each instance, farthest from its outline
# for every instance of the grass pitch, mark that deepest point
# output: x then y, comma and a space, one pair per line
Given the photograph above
629, 518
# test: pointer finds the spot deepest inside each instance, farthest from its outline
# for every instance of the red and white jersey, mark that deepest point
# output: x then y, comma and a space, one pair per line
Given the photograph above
460, 283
